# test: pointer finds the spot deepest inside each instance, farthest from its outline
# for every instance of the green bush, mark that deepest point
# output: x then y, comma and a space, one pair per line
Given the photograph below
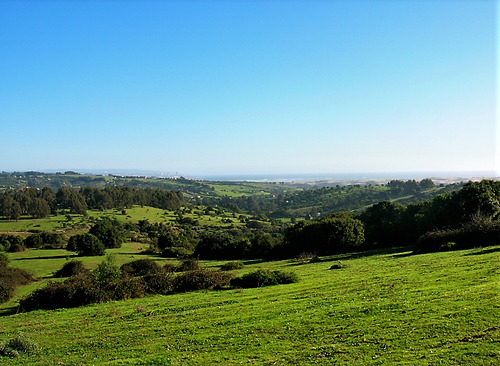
469, 235
161, 282
176, 252
33, 241
231, 266
4, 258
189, 264
261, 278
20, 344
140, 267
71, 268
128, 288
10, 279
15, 248
202, 279
75, 291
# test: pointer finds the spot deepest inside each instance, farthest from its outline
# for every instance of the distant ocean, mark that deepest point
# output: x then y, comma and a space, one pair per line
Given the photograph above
299, 177
340, 176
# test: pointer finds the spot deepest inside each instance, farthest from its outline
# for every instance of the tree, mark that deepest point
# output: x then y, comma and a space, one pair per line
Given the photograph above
336, 233
72, 200
86, 245
9, 207
108, 233
33, 241
39, 208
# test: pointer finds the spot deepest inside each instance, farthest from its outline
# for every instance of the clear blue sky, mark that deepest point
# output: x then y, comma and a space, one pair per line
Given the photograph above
248, 86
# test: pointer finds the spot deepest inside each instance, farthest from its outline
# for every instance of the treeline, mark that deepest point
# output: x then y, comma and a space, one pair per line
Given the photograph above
313, 203
463, 219
39, 203
467, 218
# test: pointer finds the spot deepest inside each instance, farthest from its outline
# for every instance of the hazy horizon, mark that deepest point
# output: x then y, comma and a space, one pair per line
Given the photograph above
290, 177
222, 88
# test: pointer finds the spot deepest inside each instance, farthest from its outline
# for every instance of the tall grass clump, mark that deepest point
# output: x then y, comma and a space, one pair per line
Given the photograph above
20, 344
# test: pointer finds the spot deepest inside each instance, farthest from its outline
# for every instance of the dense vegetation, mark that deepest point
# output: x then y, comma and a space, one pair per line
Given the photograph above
40, 203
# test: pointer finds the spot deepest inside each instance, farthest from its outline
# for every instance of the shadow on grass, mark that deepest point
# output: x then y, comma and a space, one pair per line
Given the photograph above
49, 257
485, 251
395, 251
8, 311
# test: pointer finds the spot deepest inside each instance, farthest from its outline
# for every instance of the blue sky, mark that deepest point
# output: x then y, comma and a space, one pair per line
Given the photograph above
249, 87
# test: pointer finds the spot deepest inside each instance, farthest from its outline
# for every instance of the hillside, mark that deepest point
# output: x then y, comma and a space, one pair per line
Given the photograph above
381, 308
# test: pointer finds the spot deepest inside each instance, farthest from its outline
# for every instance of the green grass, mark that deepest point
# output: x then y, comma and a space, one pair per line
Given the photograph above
383, 308
132, 215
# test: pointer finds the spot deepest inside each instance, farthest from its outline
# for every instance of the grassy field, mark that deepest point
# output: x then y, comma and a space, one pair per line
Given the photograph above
382, 308
215, 218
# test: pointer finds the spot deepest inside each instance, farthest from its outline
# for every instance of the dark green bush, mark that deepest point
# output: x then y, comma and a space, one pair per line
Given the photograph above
71, 268
231, 266
261, 278
17, 248
10, 279
33, 241
140, 267
128, 288
202, 279
75, 291
176, 252
469, 235
4, 258
161, 282
189, 264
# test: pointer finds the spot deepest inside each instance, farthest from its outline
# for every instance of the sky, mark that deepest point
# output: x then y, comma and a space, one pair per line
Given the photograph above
249, 87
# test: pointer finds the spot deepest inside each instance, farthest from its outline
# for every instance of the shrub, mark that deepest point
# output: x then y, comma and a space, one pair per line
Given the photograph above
10, 279
469, 235
33, 241
188, 265
71, 268
128, 288
161, 282
231, 266
202, 279
262, 278
140, 267
176, 252
4, 258
75, 291
17, 248
107, 271
19, 344
304, 258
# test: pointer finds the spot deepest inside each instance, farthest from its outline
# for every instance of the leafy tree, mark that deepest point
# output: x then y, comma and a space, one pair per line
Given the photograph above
109, 233
10, 208
337, 233
86, 245
39, 208
33, 241
383, 224
72, 200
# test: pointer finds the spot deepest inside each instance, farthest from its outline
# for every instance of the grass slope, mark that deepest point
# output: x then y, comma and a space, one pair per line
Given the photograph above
383, 308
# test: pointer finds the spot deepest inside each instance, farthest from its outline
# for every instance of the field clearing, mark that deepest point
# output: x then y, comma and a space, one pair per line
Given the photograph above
383, 308
70, 223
